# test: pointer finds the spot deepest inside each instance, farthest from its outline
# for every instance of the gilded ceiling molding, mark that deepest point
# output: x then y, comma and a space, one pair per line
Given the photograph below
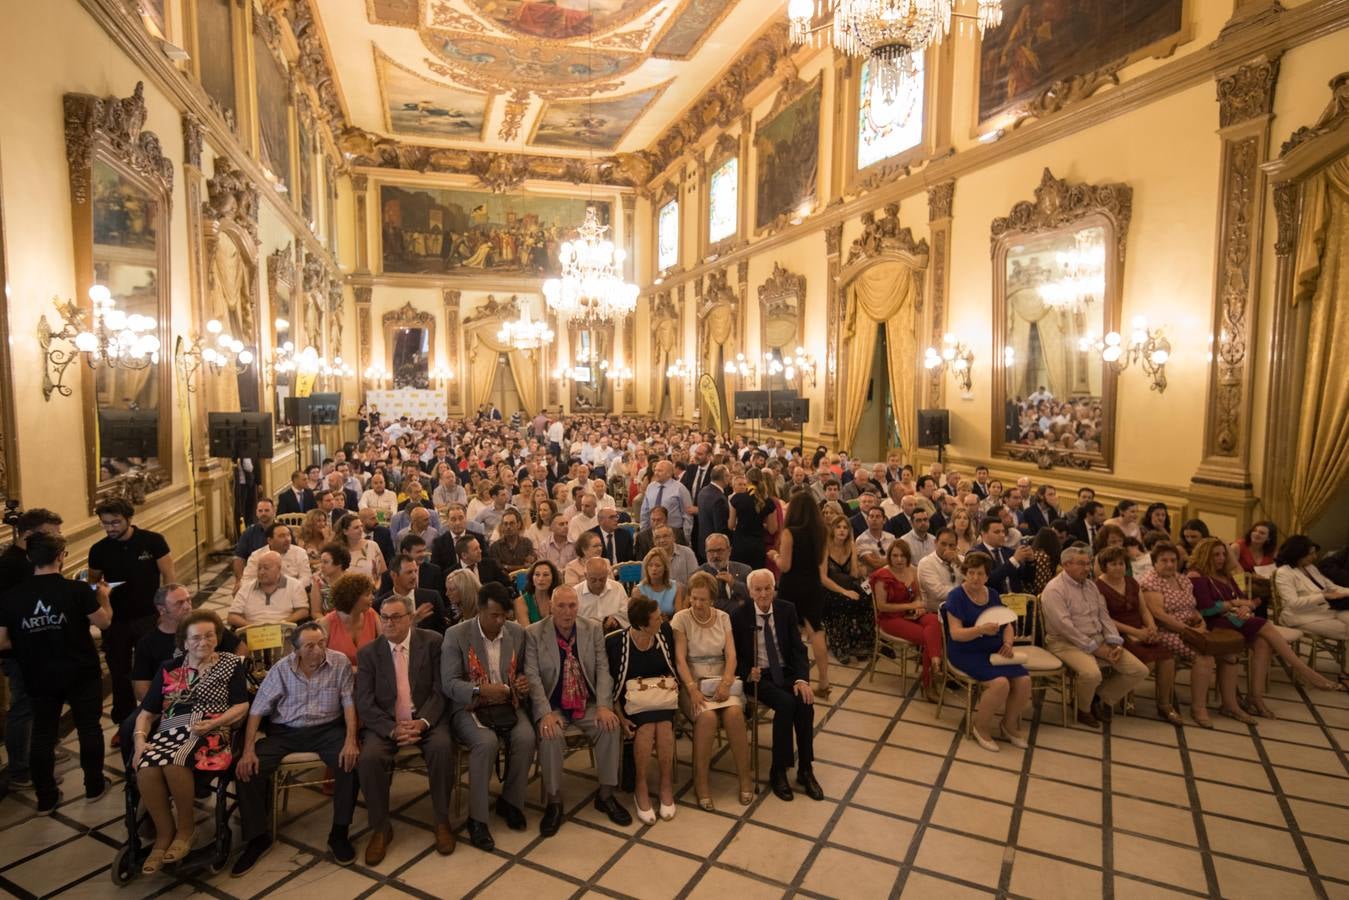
721, 104
516, 107
314, 65
1059, 202
443, 15
469, 78
116, 123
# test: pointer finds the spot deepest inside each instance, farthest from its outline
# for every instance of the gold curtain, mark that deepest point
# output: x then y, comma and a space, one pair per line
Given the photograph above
1028, 309
883, 294
484, 356
719, 328
1321, 278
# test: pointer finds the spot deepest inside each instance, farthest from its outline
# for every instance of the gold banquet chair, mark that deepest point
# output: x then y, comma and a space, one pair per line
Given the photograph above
1046, 670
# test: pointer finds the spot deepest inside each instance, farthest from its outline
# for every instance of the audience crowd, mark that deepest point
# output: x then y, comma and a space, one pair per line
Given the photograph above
518, 590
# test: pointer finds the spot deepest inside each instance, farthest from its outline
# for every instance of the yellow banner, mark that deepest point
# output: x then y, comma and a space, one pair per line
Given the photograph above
304, 383
712, 399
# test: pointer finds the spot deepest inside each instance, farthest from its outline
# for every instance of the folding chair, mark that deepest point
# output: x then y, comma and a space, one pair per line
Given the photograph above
628, 574
1044, 667
521, 579
967, 684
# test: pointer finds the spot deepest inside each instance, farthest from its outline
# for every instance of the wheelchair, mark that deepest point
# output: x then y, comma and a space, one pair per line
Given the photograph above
126, 866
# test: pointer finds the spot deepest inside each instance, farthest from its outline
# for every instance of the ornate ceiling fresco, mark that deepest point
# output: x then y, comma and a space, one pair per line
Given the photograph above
556, 78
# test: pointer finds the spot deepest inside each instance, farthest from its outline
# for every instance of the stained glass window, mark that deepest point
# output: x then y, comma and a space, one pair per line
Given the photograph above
667, 235
886, 129
723, 197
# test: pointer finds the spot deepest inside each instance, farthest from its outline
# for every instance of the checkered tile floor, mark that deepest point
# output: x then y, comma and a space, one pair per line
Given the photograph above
1146, 810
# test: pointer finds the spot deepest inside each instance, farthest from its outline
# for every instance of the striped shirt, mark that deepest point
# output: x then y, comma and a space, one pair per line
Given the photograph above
291, 699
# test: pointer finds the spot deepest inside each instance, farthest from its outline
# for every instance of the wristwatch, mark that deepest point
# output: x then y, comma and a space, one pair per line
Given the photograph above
477, 689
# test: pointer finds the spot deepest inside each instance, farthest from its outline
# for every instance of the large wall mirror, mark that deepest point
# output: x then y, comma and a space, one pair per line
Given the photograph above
782, 303
121, 189
409, 335
1057, 269
592, 348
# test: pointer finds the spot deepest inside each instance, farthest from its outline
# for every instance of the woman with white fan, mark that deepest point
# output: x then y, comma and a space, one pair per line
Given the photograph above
980, 629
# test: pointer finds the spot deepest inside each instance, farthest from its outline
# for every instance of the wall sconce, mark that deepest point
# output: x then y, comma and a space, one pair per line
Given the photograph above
440, 375
742, 367
681, 370
116, 340
617, 372
1149, 348
217, 352
377, 376
956, 357
799, 365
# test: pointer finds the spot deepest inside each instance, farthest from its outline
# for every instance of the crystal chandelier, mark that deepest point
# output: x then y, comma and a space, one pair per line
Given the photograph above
591, 288
889, 32
1080, 275
524, 333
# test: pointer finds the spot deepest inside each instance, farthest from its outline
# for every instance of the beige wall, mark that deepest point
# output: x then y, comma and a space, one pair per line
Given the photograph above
46, 51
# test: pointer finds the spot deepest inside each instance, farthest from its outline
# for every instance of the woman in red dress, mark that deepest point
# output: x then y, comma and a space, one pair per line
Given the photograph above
900, 611
1136, 625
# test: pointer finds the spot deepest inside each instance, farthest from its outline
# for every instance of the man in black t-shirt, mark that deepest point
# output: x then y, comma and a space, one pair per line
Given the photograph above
46, 621
134, 562
14, 570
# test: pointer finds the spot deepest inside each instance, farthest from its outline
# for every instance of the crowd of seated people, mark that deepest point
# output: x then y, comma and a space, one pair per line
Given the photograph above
1068, 424
509, 591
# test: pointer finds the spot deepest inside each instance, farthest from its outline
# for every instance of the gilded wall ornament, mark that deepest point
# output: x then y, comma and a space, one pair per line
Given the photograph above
314, 66
1059, 202
192, 139
231, 197
1247, 91
1066, 91
1335, 114
117, 123
885, 235
940, 199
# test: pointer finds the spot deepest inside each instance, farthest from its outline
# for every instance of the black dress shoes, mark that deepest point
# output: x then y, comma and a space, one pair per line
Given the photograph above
551, 821
344, 854
253, 851
515, 819
614, 810
806, 778
781, 789
480, 837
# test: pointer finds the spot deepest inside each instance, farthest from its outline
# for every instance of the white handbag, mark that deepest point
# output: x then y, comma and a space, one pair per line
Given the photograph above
710, 686
650, 694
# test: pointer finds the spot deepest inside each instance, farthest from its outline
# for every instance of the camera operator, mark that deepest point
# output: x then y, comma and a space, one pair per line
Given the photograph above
14, 570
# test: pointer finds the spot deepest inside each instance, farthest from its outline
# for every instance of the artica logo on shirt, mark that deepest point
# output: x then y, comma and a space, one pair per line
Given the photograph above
43, 617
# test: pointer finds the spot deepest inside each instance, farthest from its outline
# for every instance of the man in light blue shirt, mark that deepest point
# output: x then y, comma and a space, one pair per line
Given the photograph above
665, 491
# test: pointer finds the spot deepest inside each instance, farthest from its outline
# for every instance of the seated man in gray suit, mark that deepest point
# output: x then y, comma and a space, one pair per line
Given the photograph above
482, 671
578, 691
732, 577
399, 702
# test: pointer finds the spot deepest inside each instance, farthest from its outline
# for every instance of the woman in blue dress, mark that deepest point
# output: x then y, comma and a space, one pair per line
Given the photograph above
971, 647
657, 585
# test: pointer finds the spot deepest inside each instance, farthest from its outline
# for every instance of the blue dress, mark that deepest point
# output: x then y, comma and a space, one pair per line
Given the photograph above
665, 599
971, 657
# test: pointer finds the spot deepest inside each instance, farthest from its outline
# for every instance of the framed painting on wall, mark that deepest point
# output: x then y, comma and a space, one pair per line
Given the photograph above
1040, 43
274, 110
215, 54
437, 231
787, 147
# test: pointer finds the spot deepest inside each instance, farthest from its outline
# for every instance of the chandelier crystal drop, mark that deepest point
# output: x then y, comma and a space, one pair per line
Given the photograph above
1079, 275
524, 333
889, 32
591, 288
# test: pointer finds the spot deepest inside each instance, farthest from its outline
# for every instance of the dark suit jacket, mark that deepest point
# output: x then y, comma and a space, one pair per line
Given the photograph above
429, 578
979, 490
744, 622
859, 524
1078, 529
1006, 576
443, 553
1035, 518
714, 514
350, 500
691, 473
377, 687
286, 502
438, 621
898, 525
732, 596
623, 544
488, 570
383, 539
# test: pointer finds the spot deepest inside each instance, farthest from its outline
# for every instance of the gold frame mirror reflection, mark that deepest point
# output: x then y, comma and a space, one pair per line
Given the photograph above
1058, 265
121, 195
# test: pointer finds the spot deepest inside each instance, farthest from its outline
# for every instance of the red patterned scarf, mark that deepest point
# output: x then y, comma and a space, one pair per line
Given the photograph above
574, 692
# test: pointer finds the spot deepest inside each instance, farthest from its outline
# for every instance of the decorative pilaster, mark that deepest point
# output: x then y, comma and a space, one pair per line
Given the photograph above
359, 186
193, 181
451, 299
629, 338
833, 322
940, 198
363, 294
742, 277
682, 345
1245, 98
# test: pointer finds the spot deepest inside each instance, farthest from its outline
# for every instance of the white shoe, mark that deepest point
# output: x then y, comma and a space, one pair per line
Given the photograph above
1016, 740
984, 742
645, 816
667, 812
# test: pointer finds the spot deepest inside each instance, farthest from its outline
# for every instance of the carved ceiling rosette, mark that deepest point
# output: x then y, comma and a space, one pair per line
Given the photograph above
116, 123
885, 235
1059, 202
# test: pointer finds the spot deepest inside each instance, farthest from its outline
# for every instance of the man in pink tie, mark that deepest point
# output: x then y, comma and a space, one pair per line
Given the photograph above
400, 705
